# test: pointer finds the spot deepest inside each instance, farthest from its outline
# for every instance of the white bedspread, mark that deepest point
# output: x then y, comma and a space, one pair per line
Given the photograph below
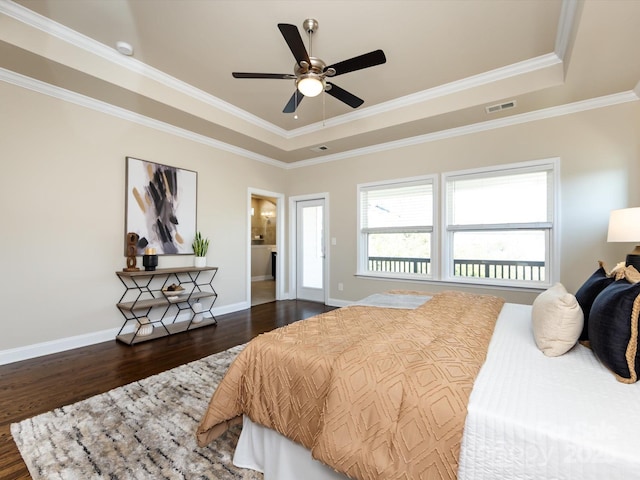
536, 417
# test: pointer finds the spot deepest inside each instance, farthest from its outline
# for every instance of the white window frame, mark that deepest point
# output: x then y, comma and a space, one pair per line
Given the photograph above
362, 246
551, 227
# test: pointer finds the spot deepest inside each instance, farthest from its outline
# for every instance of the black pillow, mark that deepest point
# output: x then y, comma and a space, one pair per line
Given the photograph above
613, 329
588, 292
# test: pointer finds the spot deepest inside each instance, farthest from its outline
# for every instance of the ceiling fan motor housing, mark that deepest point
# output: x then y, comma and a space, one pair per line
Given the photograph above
315, 71
317, 67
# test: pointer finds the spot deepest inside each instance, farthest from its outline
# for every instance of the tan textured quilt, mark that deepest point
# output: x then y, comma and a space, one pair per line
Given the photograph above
375, 393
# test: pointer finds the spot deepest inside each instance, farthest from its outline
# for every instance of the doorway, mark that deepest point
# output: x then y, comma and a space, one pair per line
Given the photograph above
265, 233
310, 255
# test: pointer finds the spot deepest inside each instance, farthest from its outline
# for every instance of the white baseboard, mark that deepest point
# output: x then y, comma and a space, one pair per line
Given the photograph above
56, 346
334, 302
63, 344
236, 307
262, 278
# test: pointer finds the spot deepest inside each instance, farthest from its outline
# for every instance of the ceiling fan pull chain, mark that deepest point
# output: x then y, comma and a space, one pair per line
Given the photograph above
324, 96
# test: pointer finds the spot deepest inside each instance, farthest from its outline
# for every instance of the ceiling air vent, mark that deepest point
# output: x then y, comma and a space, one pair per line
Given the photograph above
320, 148
500, 107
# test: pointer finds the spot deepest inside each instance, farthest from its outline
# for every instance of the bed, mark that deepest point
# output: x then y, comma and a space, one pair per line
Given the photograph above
531, 416
514, 413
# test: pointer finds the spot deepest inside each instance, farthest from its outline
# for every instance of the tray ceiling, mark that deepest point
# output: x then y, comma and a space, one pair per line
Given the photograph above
446, 62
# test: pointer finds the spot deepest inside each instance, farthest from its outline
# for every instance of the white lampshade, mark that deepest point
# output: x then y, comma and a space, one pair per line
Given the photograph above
624, 225
310, 85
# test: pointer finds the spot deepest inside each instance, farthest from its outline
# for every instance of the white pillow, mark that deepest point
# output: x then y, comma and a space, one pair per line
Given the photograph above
557, 320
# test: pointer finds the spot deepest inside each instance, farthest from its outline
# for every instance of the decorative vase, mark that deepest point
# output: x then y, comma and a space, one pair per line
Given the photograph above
200, 262
145, 328
150, 262
197, 310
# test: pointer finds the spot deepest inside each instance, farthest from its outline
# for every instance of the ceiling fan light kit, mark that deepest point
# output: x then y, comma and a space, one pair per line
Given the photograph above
310, 73
310, 85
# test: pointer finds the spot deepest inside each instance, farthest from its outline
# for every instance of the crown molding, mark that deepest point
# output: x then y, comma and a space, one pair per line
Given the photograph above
35, 20
566, 24
68, 35
498, 74
546, 113
103, 107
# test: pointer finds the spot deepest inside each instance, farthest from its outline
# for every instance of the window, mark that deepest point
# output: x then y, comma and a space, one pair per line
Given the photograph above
499, 225
396, 228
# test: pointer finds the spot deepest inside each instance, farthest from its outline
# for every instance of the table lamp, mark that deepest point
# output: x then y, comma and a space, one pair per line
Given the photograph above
624, 226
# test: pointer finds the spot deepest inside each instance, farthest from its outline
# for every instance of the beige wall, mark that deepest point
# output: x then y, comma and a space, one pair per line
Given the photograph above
62, 193
600, 158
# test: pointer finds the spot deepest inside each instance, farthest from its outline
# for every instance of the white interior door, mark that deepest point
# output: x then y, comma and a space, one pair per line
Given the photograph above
310, 250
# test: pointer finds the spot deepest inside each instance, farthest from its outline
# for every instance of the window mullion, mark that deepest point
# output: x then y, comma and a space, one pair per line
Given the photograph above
500, 226
398, 229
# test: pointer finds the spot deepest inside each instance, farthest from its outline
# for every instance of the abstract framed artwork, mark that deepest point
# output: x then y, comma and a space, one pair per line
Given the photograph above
161, 206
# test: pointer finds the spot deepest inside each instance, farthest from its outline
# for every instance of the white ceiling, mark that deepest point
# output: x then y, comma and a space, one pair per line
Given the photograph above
446, 61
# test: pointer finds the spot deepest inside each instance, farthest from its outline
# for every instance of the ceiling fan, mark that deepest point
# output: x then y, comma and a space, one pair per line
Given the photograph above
310, 73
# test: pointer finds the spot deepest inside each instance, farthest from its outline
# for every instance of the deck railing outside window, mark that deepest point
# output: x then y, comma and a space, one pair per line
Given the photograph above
400, 265
498, 269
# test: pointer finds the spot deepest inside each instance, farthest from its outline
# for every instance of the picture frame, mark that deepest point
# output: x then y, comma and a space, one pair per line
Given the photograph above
160, 207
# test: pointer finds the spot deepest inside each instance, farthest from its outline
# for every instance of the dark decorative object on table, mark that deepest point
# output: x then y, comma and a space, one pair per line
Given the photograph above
150, 260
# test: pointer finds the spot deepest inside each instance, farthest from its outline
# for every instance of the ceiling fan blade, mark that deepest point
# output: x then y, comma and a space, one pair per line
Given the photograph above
366, 60
293, 103
294, 40
344, 96
283, 76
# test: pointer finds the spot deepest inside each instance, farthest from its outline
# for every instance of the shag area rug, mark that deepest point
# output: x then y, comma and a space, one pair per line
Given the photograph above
144, 430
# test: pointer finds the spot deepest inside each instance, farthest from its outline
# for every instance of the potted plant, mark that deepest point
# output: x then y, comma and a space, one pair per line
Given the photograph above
200, 246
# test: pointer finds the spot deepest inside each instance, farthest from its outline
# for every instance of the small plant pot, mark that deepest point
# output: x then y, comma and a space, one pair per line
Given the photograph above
200, 262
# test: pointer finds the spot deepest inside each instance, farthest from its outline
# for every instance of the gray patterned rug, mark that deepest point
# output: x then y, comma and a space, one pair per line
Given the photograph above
144, 430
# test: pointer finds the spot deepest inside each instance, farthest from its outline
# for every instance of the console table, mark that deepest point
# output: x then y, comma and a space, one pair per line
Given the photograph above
151, 311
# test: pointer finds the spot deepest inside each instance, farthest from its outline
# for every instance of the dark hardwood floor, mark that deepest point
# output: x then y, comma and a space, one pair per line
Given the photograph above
38, 385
